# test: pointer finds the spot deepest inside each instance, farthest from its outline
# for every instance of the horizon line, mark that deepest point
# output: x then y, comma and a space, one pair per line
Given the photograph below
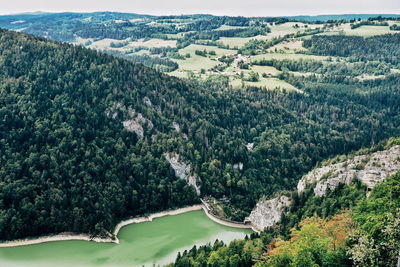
188, 14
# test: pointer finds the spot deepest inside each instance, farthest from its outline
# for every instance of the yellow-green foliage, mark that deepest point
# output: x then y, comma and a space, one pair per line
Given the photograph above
316, 243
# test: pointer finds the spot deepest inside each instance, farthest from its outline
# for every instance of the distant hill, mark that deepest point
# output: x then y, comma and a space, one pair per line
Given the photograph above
47, 15
69, 26
324, 18
64, 26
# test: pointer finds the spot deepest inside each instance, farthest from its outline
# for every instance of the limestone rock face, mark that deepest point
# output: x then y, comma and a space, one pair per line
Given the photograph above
268, 212
147, 101
250, 146
370, 169
176, 126
182, 170
135, 122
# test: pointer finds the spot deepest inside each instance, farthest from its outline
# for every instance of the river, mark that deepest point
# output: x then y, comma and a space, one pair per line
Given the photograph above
156, 242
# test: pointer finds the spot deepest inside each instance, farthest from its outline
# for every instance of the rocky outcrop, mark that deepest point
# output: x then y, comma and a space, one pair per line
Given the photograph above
135, 122
182, 170
147, 101
250, 146
238, 165
369, 169
176, 126
268, 212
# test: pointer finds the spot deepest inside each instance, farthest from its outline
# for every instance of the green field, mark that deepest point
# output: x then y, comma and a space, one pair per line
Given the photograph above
106, 44
281, 30
196, 62
268, 83
366, 30
395, 71
298, 73
176, 36
238, 42
141, 52
229, 27
179, 73
292, 46
276, 31
265, 69
290, 56
219, 51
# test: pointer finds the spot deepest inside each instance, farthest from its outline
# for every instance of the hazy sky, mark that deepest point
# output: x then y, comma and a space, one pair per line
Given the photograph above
217, 7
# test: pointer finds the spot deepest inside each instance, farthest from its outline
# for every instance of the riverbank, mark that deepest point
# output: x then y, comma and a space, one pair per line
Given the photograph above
52, 238
153, 216
208, 210
85, 237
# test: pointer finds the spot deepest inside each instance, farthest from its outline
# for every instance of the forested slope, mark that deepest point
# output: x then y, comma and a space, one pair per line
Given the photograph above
65, 164
68, 164
346, 227
382, 48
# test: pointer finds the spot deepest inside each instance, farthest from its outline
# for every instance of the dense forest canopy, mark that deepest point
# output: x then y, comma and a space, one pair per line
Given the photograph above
383, 48
65, 165
68, 164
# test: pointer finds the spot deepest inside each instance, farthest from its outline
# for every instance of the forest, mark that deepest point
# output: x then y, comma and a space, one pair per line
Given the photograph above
159, 64
358, 231
67, 166
384, 48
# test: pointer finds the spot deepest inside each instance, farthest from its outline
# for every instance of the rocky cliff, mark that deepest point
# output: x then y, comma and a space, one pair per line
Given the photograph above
135, 122
370, 169
182, 170
268, 212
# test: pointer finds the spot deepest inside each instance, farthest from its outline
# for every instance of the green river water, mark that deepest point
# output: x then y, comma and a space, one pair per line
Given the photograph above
157, 242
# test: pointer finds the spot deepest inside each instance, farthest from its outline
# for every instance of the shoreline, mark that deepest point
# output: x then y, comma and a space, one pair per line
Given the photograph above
207, 209
85, 237
54, 238
153, 216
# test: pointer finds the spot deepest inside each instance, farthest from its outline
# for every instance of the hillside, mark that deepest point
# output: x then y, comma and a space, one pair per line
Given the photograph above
61, 26
367, 167
68, 163
325, 18
85, 136
353, 224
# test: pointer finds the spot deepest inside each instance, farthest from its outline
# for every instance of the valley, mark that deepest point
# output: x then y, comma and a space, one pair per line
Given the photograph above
288, 125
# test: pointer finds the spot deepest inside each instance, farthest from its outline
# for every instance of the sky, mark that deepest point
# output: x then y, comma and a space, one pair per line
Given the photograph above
215, 7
